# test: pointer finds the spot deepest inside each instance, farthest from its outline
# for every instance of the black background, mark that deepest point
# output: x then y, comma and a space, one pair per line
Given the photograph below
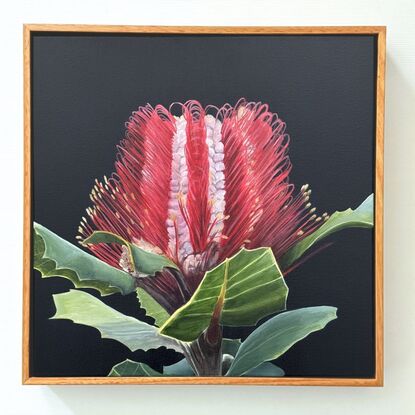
84, 88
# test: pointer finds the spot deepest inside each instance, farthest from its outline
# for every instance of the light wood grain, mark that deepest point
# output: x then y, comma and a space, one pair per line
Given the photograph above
27, 200
235, 30
379, 32
380, 110
284, 381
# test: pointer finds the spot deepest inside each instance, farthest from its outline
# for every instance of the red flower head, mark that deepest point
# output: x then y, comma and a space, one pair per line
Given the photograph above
197, 188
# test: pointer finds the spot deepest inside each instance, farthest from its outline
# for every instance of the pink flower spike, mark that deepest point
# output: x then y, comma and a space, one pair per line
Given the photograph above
198, 187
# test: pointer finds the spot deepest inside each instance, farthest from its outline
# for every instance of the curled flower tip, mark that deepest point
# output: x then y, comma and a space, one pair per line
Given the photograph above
200, 186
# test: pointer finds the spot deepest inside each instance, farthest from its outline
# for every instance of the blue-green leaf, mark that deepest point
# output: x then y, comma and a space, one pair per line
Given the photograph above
129, 368
152, 307
55, 257
230, 346
263, 370
277, 335
266, 369
143, 261
181, 368
83, 308
361, 217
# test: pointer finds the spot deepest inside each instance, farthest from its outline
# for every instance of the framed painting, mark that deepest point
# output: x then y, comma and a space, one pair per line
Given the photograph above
170, 230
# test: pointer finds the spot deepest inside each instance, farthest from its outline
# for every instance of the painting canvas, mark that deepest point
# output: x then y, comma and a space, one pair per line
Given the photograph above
204, 206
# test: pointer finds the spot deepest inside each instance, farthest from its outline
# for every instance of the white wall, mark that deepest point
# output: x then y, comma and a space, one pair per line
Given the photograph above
398, 395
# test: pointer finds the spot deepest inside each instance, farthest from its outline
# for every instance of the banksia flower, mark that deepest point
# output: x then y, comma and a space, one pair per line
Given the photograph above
197, 187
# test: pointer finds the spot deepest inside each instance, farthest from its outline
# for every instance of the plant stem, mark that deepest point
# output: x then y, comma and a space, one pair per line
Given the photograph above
205, 353
181, 283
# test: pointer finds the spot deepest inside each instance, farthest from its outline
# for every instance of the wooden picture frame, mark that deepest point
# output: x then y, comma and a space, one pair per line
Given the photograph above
379, 32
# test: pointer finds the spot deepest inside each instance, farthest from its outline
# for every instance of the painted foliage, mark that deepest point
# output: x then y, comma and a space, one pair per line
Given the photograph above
201, 221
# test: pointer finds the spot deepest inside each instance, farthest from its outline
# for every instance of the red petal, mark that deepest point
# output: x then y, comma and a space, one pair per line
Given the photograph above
134, 202
197, 212
281, 220
239, 196
145, 170
270, 167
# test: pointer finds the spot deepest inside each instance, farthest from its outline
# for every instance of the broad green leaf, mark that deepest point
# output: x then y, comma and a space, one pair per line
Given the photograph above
248, 287
266, 369
273, 338
229, 349
55, 257
230, 346
152, 307
83, 308
181, 368
361, 217
143, 261
227, 360
129, 368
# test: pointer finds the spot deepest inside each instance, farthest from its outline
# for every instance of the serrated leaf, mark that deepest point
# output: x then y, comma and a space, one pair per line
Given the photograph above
129, 368
55, 257
83, 308
361, 217
152, 307
248, 286
143, 261
273, 338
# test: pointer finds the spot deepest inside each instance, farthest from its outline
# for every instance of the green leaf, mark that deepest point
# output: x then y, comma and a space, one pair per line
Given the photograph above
152, 307
227, 360
361, 217
266, 369
55, 257
181, 368
230, 346
83, 308
143, 261
248, 287
130, 368
277, 335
